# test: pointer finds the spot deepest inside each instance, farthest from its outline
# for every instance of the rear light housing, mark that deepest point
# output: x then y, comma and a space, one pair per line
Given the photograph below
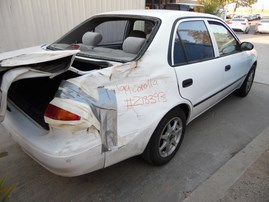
57, 113
229, 23
243, 23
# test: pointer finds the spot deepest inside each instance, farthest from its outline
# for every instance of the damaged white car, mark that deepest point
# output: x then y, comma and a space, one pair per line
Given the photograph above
118, 85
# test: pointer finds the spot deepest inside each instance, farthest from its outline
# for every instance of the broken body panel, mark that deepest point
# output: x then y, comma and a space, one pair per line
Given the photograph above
105, 100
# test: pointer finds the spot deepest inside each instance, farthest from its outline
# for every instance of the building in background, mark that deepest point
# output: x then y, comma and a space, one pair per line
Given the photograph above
185, 5
33, 22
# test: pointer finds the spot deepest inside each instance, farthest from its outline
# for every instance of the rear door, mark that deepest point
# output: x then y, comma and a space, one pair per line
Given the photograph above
193, 58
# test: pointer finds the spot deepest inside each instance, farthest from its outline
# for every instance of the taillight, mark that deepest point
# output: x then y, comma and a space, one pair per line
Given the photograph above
243, 23
259, 24
57, 113
229, 23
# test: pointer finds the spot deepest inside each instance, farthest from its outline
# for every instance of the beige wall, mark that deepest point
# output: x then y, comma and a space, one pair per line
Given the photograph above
25, 23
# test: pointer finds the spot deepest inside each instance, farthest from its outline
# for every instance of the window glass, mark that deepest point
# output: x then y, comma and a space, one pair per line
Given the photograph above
112, 31
179, 54
139, 25
107, 38
144, 26
227, 44
194, 39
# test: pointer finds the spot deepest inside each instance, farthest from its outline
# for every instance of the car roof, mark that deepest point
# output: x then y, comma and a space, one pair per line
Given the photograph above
160, 13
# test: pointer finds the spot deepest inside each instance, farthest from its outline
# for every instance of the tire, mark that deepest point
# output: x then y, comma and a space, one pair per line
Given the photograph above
166, 139
246, 86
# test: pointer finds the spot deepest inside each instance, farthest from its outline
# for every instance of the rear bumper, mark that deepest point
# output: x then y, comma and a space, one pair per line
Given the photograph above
62, 152
240, 29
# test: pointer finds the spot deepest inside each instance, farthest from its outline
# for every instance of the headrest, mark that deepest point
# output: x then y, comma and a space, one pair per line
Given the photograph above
138, 33
91, 38
132, 44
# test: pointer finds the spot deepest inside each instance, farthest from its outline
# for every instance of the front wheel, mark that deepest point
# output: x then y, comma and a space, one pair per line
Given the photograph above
246, 86
166, 138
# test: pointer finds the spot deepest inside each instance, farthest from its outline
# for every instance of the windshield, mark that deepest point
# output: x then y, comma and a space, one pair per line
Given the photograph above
111, 38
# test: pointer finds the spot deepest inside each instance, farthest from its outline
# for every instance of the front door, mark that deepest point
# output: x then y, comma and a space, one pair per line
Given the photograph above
193, 58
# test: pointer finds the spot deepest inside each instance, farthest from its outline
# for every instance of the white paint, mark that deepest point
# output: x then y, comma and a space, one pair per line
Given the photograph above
145, 91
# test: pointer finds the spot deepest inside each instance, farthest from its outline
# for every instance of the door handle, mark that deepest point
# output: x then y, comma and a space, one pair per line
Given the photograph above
186, 83
227, 68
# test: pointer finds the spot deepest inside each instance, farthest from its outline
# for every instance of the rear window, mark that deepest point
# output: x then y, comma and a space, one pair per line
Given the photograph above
116, 38
112, 31
265, 21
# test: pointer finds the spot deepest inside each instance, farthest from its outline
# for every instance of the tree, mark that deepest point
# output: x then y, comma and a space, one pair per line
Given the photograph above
244, 3
212, 6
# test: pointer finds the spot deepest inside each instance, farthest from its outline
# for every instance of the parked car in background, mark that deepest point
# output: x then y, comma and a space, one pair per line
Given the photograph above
256, 16
237, 16
262, 26
120, 84
239, 24
248, 17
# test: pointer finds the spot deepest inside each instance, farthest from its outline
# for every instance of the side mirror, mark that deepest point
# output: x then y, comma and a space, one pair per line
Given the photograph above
245, 46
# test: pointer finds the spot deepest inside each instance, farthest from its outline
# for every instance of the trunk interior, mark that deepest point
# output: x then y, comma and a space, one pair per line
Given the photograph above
33, 95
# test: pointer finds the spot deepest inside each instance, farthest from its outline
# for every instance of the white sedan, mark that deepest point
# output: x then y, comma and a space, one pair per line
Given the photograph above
120, 84
239, 24
262, 26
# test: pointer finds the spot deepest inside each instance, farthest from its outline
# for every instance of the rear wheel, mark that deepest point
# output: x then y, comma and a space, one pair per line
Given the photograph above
166, 138
246, 86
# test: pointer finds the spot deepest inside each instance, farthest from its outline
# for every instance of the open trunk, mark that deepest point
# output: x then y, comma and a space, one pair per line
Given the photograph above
32, 95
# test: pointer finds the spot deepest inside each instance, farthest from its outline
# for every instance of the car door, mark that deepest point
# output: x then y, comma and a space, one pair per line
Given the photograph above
236, 63
193, 58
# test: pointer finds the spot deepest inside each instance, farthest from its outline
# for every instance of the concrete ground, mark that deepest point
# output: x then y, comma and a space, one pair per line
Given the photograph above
244, 178
253, 185
213, 144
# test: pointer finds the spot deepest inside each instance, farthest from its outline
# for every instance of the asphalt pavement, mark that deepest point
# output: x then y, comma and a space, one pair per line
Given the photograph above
244, 178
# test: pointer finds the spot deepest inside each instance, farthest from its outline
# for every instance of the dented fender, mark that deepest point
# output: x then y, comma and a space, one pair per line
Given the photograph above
116, 101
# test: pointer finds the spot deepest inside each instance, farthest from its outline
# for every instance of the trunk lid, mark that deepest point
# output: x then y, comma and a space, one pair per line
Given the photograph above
30, 63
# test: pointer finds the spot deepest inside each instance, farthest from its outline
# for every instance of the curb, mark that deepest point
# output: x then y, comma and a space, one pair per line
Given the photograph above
216, 186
